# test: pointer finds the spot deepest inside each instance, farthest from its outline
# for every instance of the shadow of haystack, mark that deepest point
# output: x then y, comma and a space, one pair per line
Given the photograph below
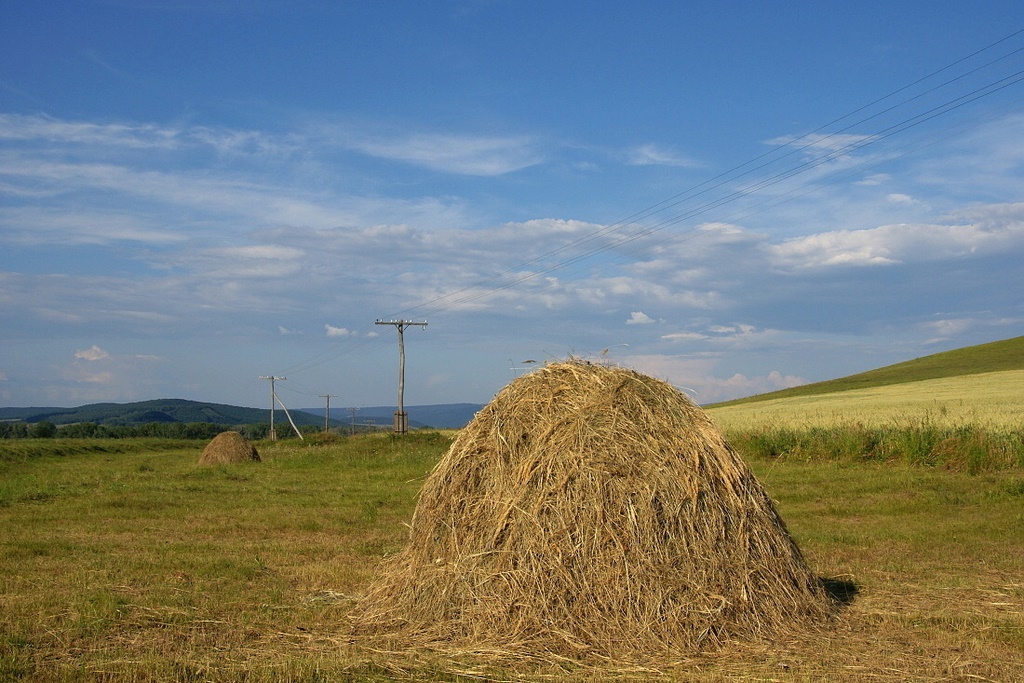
590, 512
228, 447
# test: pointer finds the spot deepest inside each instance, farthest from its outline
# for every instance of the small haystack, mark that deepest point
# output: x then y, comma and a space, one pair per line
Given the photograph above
228, 447
590, 512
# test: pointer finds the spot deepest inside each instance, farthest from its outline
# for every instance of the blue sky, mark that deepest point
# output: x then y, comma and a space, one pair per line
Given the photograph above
734, 197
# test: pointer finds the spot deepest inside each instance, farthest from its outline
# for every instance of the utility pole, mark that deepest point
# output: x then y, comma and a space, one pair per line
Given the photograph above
273, 399
401, 417
353, 411
327, 413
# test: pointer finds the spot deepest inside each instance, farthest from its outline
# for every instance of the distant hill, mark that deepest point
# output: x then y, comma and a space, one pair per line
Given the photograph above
437, 416
144, 412
443, 416
998, 356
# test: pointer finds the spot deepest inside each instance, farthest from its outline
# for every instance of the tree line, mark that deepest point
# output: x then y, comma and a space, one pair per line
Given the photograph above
45, 429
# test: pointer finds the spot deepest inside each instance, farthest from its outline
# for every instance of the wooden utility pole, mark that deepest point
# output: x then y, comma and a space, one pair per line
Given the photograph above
273, 399
327, 413
401, 417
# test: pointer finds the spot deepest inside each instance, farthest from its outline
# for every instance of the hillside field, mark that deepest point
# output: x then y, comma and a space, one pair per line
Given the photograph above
993, 399
993, 357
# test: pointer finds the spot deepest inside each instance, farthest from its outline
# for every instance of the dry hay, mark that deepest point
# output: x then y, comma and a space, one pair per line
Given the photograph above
590, 512
228, 447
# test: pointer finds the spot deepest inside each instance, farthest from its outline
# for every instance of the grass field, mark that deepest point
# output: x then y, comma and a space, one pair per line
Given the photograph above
127, 562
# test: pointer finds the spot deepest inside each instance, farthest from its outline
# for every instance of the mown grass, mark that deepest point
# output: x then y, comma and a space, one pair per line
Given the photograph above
140, 565
16, 450
144, 565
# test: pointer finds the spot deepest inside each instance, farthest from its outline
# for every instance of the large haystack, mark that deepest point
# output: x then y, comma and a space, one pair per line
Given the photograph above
590, 511
228, 447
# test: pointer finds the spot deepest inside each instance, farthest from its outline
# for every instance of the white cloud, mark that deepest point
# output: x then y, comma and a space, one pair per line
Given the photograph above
104, 377
95, 184
31, 225
281, 329
652, 155
733, 336
255, 261
227, 200
945, 329
333, 331
874, 179
86, 373
15, 127
696, 376
893, 244
261, 252
93, 353
95, 374
451, 153
142, 136
986, 162
897, 198
833, 143
683, 336
741, 385
993, 218
639, 318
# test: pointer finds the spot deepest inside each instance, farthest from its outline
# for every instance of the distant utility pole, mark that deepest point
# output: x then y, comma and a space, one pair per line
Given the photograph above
401, 417
273, 400
327, 413
353, 411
